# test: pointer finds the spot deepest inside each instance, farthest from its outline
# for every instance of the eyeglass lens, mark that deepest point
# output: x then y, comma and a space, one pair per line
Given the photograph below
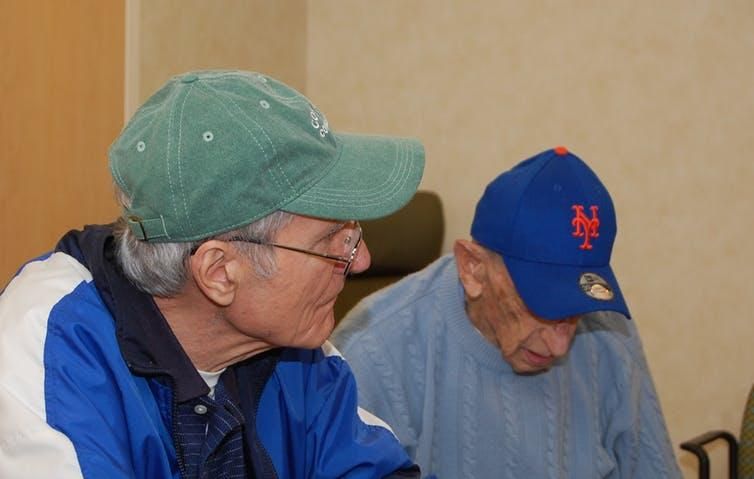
345, 242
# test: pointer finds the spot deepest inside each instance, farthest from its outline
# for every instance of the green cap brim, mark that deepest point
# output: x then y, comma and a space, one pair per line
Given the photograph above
373, 177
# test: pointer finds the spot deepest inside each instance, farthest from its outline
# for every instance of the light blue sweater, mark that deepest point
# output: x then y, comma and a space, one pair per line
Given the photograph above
461, 411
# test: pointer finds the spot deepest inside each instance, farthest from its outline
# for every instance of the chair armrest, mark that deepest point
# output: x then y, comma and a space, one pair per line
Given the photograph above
696, 447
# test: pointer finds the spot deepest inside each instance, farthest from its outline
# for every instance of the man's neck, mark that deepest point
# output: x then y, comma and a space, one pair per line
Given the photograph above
472, 311
209, 340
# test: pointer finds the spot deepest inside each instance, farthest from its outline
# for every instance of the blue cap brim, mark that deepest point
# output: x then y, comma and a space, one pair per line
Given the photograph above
554, 291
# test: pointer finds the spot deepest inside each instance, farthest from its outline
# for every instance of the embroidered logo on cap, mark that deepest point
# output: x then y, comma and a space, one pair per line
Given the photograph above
595, 286
319, 122
585, 227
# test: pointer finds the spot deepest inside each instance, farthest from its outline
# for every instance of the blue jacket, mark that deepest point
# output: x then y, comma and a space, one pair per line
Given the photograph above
91, 375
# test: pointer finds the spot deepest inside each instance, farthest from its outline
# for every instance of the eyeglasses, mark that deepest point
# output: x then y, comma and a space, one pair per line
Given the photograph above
342, 248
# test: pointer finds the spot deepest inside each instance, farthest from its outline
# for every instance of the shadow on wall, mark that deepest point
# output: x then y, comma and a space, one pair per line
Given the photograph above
400, 244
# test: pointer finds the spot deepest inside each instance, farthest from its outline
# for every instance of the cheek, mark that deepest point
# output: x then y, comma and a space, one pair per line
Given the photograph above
510, 330
512, 336
311, 298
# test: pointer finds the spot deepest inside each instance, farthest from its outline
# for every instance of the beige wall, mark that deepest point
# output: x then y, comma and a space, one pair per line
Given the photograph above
61, 93
656, 96
167, 37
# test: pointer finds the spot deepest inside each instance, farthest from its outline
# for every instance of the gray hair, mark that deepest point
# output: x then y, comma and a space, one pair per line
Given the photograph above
161, 269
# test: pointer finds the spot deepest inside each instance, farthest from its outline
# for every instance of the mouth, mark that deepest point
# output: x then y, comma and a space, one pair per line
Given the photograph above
537, 360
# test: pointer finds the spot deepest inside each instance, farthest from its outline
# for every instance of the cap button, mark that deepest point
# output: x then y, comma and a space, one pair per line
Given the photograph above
189, 78
561, 150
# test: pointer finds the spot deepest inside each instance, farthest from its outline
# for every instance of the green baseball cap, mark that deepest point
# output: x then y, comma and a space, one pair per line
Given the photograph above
212, 151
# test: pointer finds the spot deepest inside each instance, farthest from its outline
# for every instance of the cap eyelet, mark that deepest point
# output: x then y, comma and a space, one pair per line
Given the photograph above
208, 136
141, 146
264, 104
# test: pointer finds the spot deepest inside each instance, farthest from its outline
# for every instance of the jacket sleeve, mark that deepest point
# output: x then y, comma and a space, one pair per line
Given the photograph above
328, 435
69, 407
29, 446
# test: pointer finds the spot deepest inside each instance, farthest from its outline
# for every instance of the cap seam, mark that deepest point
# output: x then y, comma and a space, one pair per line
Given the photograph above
235, 117
240, 117
520, 202
270, 159
167, 161
179, 159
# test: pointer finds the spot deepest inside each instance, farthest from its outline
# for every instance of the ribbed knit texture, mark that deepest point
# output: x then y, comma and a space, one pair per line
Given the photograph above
462, 412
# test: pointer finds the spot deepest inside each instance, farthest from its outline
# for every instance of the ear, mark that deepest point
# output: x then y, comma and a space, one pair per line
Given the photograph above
217, 270
472, 268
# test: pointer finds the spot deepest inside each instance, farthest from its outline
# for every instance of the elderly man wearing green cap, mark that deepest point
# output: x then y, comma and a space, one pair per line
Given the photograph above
188, 340
514, 357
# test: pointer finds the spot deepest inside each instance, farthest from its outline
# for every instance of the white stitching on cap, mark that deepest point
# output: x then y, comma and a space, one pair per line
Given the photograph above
378, 190
261, 148
386, 190
167, 158
179, 159
264, 132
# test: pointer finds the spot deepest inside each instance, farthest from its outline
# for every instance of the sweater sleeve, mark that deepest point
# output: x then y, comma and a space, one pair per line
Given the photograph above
636, 431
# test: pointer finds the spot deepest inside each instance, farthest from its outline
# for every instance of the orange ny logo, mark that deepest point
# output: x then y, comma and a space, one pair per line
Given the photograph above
584, 227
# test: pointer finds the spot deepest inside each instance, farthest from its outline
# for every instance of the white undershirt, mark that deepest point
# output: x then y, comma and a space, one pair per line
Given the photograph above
211, 379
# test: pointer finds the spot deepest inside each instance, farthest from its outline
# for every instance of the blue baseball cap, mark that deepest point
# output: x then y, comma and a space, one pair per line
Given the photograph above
553, 222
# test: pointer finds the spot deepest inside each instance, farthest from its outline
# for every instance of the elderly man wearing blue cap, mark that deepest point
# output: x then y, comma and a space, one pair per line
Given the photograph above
571, 397
188, 340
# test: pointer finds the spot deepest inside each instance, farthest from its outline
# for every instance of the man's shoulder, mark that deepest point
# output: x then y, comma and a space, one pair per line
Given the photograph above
612, 336
42, 284
53, 309
610, 326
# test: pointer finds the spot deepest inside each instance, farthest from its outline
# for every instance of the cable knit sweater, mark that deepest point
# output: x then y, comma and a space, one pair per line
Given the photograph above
462, 412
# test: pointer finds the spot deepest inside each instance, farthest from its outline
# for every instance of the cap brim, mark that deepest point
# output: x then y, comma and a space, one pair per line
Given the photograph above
553, 291
373, 177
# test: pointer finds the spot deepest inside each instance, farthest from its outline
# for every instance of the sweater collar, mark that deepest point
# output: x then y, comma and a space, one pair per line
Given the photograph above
461, 327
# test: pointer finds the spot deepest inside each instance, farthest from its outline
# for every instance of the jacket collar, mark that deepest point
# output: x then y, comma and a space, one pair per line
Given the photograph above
146, 341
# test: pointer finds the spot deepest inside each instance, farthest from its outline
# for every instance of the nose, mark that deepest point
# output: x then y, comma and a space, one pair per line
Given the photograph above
362, 260
558, 337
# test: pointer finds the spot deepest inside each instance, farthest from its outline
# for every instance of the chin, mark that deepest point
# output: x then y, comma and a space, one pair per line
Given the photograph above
529, 371
524, 368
